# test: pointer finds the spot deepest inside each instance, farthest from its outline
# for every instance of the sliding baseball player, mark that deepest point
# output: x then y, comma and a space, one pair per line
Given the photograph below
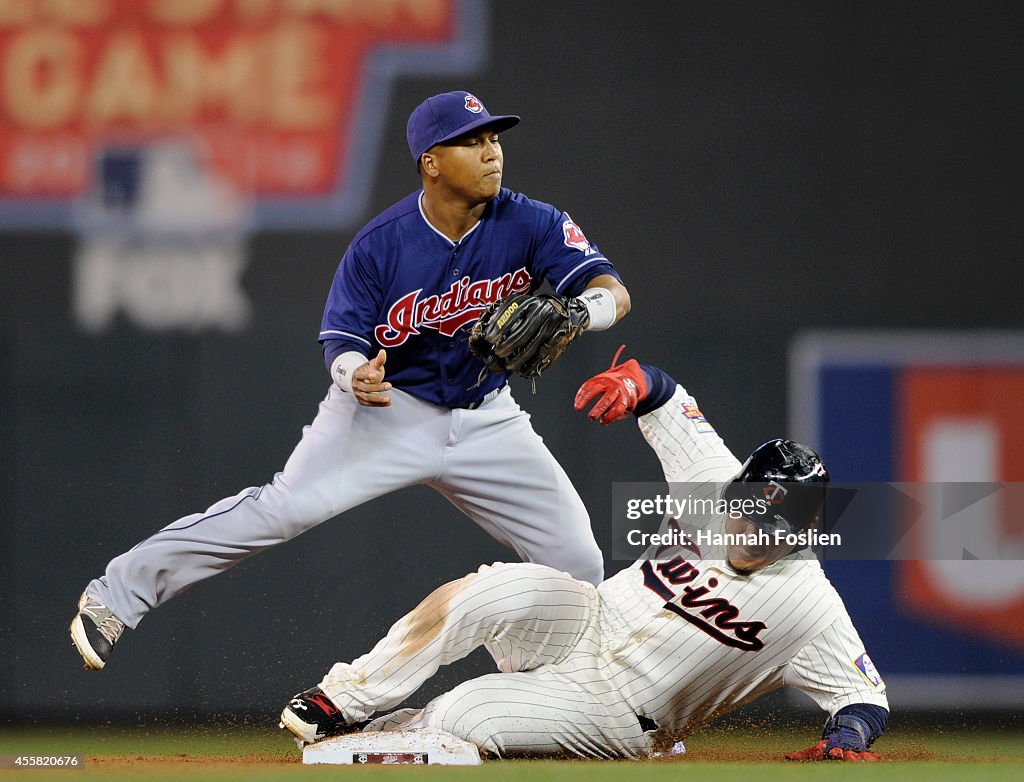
650, 654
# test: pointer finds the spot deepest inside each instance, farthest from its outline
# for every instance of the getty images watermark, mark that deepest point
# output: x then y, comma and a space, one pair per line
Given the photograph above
859, 521
763, 531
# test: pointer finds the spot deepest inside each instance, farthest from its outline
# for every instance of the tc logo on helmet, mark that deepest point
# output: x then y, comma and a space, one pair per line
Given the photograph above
472, 104
774, 493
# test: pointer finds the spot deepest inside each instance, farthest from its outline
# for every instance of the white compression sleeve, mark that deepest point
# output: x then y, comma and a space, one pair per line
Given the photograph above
343, 366
600, 303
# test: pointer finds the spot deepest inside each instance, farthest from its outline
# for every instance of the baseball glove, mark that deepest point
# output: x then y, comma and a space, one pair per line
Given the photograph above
526, 334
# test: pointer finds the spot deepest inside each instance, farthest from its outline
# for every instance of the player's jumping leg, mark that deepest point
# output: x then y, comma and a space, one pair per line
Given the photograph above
525, 615
320, 480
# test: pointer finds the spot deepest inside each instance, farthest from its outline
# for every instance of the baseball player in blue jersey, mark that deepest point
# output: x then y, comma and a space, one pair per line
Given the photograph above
409, 403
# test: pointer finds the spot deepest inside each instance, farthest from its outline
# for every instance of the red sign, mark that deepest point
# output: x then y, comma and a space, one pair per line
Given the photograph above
964, 425
264, 89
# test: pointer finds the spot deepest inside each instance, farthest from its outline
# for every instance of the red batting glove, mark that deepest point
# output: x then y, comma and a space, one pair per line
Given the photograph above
620, 388
817, 752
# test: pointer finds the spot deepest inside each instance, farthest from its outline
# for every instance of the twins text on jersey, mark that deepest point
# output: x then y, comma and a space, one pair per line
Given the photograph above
715, 616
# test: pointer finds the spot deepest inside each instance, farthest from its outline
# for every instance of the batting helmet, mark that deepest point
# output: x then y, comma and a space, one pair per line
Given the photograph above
787, 480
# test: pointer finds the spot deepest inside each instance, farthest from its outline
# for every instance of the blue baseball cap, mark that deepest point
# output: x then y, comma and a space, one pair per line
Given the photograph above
447, 116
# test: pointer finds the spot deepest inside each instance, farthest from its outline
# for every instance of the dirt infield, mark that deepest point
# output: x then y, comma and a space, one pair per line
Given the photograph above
197, 754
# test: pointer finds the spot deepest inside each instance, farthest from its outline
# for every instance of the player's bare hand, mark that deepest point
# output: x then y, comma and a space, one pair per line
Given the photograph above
818, 752
368, 382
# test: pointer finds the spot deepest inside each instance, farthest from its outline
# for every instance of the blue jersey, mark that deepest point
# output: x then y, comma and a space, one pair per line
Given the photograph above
404, 286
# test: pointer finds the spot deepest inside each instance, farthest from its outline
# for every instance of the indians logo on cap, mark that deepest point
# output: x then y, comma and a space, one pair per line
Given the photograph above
472, 104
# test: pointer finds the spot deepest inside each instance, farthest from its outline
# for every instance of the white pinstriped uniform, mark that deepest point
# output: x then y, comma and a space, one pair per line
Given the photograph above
579, 664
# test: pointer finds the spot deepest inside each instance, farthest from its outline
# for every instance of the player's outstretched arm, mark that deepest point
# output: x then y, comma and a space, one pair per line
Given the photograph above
670, 428
848, 735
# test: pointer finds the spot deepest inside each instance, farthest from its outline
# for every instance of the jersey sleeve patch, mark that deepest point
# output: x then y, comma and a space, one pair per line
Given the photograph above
574, 237
691, 411
868, 670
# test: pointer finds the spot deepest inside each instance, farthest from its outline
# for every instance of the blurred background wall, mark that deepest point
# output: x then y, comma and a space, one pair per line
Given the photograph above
178, 181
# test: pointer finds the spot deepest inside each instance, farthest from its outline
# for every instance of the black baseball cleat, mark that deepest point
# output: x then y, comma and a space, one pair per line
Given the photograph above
311, 716
94, 631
